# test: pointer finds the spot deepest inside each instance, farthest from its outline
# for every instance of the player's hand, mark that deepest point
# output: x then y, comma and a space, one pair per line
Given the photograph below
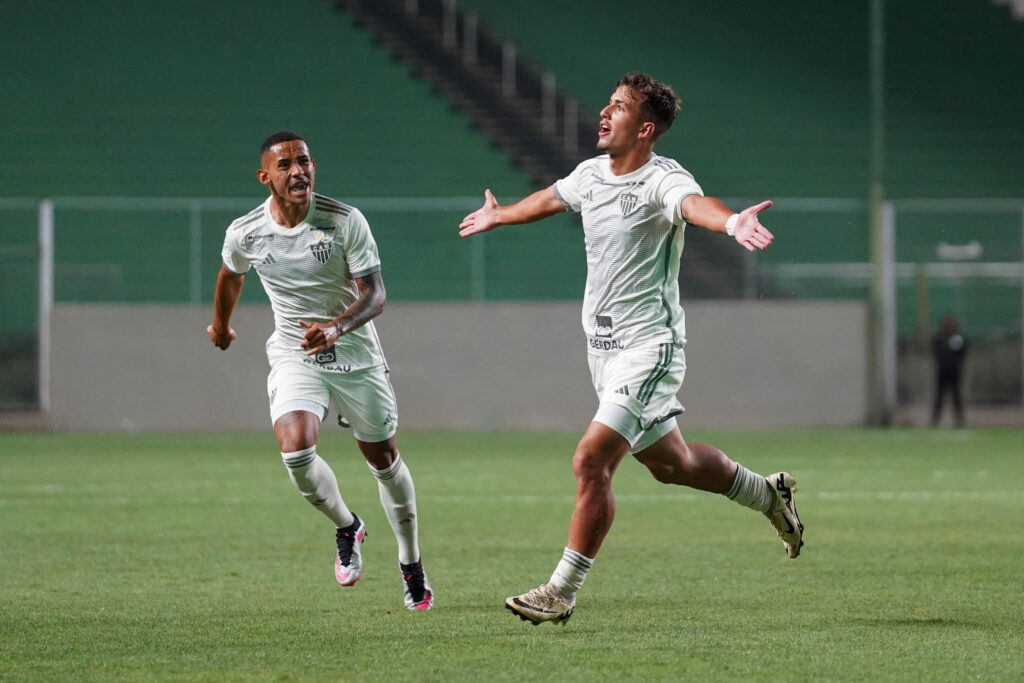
483, 219
319, 336
749, 231
221, 339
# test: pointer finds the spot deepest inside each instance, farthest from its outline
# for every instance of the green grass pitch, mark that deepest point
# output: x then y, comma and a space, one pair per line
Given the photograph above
191, 557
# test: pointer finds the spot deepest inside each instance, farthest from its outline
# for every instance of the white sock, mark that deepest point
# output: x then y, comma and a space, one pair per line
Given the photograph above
315, 480
569, 574
751, 490
398, 498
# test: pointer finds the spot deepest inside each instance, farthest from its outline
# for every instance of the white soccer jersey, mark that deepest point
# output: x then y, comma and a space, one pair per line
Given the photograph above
309, 273
633, 229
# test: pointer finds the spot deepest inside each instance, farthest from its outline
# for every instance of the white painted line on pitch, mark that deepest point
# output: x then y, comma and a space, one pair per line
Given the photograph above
920, 495
837, 496
52, 494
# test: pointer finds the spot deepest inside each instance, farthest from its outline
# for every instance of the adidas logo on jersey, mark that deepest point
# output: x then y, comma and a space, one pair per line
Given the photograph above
624, 390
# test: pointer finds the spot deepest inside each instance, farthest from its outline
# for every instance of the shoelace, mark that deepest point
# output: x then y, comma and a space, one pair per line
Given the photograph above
542, 595
346, 542
415, 581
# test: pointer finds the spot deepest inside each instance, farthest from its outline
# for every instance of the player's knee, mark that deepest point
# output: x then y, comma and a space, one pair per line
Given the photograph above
590, 468
673, 468
293, 442
380, 455
662, 472
296, 431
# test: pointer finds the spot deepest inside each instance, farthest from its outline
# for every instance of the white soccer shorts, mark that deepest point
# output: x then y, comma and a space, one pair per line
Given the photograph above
637, 389
364, 397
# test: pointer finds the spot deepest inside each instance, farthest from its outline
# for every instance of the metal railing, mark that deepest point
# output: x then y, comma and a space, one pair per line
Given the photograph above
964, 261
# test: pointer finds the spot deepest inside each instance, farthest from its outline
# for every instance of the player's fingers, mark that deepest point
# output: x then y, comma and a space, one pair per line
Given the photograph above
758, 208
305, 324
316, 349
489, 198
759, 237
312, 345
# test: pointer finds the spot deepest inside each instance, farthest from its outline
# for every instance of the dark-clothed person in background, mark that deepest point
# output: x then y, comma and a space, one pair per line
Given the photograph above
949, 346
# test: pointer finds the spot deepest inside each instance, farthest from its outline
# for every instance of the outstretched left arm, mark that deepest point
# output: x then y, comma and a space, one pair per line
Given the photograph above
372, 297
712, 214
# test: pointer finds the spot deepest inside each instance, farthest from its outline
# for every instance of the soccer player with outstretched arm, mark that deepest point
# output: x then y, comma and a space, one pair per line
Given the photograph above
318, 263
635, 205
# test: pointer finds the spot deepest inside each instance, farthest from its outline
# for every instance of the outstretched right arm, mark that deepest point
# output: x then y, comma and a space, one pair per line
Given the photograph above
540, 204
229, 287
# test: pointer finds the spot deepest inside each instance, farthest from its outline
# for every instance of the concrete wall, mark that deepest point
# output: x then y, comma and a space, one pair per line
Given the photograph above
459, 366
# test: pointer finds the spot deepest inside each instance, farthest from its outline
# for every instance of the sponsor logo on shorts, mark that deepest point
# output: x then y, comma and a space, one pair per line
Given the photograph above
604, 326
606, 344
326, 356
326, 364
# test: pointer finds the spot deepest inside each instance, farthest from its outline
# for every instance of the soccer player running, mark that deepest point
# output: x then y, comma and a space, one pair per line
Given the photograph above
319, 266
635, 206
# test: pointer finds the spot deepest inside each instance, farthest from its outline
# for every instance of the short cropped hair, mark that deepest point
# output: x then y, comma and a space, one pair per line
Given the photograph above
660, 104
277, 138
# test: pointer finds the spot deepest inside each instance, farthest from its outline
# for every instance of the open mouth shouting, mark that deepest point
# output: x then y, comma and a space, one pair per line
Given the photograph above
300, 187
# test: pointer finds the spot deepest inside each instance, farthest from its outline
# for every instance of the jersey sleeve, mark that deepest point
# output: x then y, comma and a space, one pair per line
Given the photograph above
231, 254
360, 247
673, 188
568, 191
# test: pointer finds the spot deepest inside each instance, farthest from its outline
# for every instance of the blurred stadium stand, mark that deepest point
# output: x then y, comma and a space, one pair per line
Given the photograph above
1016, 7
519, 106
141, 99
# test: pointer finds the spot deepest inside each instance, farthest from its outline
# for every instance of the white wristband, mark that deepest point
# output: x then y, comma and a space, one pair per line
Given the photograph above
730, 225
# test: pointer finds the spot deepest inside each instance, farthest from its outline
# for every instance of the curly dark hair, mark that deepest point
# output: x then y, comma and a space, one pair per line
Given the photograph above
660, 103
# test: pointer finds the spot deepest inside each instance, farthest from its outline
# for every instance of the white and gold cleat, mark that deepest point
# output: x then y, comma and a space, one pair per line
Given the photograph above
783, 514
543, 603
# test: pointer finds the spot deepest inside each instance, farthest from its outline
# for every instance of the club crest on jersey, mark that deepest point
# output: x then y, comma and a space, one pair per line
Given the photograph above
322, 250
628, 202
